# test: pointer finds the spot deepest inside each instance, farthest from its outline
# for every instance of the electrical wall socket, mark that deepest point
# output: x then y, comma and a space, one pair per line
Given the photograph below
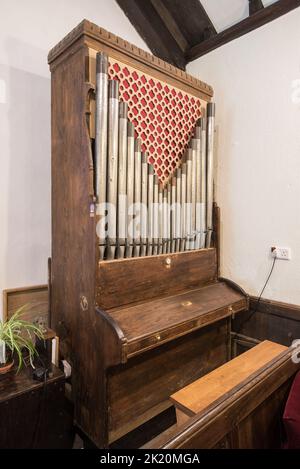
281, 253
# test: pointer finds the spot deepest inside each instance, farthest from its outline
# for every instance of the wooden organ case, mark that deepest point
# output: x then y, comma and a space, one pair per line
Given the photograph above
135, 330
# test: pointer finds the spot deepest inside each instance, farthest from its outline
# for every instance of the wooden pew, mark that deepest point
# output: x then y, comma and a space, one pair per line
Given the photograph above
247, 414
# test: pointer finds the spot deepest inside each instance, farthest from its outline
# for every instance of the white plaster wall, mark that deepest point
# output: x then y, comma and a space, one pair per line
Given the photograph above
28, 30
258, 132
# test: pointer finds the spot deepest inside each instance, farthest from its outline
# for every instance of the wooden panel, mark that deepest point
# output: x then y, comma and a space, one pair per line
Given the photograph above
33, 413
276, 308
73, 314
262, 428
272, 320
160, 424
154, 322
241, 343
140, 389
33, 299
203, 392
127, 281
181, 417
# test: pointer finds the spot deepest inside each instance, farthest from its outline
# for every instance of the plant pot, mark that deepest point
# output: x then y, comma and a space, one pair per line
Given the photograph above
6, 368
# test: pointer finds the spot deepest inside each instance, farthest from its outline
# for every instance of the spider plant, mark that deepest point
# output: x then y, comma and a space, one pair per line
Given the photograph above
16, 337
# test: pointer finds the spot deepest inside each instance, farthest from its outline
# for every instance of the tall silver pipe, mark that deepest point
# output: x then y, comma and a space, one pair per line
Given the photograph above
188, 214
122, 182
178, 210
137, 197
211, 109
193, 196
203, 183
130, 188
101, 143
160, 219
155, 215
144, 196
183, 207
165, 221
150, 210
112, 166
169, 203
173, 214
198, 186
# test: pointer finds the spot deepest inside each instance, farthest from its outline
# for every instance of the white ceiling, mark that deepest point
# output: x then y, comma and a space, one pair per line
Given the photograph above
225, 13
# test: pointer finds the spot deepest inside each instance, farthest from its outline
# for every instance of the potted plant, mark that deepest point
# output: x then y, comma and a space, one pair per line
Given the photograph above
17, 342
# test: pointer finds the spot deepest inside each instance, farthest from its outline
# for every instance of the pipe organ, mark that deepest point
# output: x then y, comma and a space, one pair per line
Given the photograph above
136, 296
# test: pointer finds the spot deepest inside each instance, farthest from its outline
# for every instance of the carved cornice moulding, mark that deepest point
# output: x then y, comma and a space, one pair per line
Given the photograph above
91, 30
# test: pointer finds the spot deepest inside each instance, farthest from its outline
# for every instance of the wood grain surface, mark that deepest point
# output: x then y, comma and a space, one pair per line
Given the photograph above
203, 392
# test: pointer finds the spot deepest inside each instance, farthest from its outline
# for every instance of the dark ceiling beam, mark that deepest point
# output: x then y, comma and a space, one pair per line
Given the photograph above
254, 6
169, 27
170, 23
191, 18
151, 27
257, 19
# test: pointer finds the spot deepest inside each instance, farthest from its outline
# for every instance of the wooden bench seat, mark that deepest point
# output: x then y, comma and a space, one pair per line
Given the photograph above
207, 390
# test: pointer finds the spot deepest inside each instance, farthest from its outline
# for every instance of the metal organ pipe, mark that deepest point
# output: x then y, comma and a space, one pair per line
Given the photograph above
130, 188
122, 182
143, 209
169, 203
137, 197
150, 209
144, 217
210, 169
183, 206
112, 166
173, 213
165, 220
155, 215
203, 183
193, 196
101, 143
198, 187
160, 219
178, 211
188, 213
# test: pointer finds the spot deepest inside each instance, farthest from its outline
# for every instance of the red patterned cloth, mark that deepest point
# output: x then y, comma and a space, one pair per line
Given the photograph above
164, 116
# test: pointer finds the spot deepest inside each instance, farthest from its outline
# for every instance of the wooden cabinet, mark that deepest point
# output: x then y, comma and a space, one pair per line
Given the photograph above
33, 413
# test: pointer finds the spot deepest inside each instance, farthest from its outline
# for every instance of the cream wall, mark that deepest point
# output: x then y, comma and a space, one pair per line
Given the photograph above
257, 90
28, 29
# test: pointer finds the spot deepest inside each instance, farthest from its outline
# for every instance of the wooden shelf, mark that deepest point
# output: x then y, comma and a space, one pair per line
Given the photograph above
147, 325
